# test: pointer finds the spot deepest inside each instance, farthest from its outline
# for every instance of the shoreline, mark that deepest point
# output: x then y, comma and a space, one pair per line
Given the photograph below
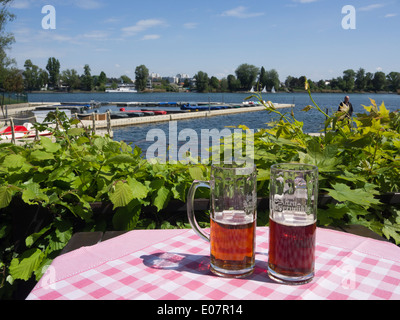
221, 92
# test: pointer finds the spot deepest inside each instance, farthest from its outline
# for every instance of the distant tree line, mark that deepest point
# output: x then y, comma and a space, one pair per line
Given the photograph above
35, 78
246, 77
249, 76
352, 81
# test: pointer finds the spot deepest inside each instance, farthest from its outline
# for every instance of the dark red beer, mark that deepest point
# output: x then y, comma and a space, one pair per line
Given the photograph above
292, 249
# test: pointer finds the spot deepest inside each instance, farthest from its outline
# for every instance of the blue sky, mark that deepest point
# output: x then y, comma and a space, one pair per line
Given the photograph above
295, 37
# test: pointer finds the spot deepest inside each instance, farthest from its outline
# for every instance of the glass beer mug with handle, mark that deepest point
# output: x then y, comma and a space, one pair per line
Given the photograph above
293, 220
233, 219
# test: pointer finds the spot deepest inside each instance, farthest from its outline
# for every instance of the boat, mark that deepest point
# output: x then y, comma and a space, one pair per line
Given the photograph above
264, 90
273, 90
26, 131
156, 112
122, 90
145, 112
191, 107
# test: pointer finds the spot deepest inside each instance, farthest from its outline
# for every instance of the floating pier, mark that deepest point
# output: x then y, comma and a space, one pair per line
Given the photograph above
175, 116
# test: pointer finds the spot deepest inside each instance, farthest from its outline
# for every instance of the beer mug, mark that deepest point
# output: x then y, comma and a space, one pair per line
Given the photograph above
233, 220
293, 220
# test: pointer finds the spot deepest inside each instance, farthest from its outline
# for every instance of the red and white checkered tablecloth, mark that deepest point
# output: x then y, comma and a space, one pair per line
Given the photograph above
174, 265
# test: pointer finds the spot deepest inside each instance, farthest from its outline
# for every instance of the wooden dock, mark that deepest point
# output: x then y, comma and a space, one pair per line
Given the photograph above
177, 116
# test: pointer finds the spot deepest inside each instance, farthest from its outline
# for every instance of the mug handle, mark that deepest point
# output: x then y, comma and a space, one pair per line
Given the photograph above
190, 208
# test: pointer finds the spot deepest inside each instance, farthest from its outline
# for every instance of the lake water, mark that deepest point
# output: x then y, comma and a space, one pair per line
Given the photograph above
313, 120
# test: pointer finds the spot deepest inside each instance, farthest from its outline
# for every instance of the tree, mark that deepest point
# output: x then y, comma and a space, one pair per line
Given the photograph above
272, 79
379, 81
31, 76
233, 83
247, 75
361, 80
214, 83
71, 79
368, 80
223, 85
6, 39
87, 79
102, 80
53, 67
349, 80
43, 78
393, 80
13, 81
201, 81
142, 74
288, 82
126, 79
262, 80
321, 84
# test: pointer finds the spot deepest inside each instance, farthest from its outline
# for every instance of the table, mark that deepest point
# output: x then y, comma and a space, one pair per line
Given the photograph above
174, 265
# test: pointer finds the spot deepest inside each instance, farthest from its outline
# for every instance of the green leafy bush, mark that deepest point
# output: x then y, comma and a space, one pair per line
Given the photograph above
358, 160
66, 178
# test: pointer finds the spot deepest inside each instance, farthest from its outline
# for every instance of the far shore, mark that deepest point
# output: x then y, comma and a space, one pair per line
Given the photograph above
220, 92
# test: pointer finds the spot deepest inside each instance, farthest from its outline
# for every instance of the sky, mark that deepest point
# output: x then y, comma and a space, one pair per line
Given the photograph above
295, 37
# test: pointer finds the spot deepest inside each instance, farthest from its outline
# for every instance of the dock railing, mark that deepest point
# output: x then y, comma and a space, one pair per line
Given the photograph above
12, 137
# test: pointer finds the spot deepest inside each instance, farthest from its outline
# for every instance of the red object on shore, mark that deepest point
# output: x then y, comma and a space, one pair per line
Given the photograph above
16, 129
156, 112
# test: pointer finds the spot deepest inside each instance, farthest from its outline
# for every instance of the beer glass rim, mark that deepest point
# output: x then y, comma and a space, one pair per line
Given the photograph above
294, 167
232, 169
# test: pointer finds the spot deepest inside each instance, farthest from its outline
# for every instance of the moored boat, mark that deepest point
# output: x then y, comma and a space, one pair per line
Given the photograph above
26, 131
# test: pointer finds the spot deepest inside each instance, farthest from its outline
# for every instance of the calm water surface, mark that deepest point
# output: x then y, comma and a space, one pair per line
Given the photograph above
313, 120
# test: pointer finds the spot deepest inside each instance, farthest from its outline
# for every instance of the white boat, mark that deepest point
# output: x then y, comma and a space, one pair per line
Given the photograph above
27, 131
273, 90
122, 90
264, 90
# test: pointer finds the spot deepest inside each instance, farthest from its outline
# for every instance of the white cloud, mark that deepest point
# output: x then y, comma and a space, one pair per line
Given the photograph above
96, 35
142, 26
20, 4
371, 7
190, 25
88, 4
151, 37
391, 15
241, 12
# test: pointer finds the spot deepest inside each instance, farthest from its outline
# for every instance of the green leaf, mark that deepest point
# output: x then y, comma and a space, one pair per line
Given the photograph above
391, 230
343, 193
139, 190
334, 212
14, 161
161, 199
23, 267
5, 197
121, 195
196, 173
126, 218
121, 159
29, 241
76, 131
42, 155
49, 145
33, 194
